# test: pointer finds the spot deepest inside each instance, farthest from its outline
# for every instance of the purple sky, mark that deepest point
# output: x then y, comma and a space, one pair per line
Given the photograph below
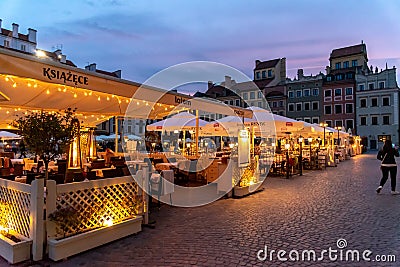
144, 37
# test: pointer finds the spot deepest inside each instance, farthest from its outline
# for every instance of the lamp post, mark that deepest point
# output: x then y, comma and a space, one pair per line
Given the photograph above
309, 143
338, 128
301, 155
323, 124
287, 146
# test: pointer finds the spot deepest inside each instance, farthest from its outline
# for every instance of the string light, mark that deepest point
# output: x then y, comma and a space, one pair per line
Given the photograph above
7, 79
48, 91
108, 98
35, 85
64, 90
75, 95
127, 101
59, 89
99, 98
29, 85
15, 85
90, 93
86, 93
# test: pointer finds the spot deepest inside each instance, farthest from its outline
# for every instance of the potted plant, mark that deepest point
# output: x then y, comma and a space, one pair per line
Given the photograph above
47, 134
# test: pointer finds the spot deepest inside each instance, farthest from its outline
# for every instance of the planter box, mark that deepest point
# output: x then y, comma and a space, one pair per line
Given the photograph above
63, 248
15, 252
239, 191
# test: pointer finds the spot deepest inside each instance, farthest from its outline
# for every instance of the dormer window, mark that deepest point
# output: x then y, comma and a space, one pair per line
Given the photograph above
269, 73
264, 74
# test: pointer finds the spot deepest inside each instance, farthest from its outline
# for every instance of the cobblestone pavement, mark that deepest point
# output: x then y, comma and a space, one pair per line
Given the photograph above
305, 212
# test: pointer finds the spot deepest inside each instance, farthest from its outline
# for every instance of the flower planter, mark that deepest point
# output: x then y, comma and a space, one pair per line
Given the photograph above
241, 191
15, 252
65, 247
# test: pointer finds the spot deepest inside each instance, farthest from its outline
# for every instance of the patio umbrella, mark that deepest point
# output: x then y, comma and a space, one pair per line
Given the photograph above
7, 135
180, 121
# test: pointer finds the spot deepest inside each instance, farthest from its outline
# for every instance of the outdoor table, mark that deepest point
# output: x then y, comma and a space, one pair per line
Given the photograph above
99, 172
17, 161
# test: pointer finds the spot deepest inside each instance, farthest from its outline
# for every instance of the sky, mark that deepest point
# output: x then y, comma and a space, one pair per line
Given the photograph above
144, 37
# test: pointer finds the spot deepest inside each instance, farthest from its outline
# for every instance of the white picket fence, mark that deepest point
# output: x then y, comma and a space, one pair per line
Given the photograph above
103, 200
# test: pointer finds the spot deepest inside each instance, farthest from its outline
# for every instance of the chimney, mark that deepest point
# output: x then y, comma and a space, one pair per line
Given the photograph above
118, 73
257, 62
210, 84
32, 35
15, 30
283, 69
300, 74
228, 81
63, 59
91, 67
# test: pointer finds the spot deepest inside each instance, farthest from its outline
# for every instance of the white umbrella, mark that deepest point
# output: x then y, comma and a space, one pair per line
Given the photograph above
180, 121
7, 135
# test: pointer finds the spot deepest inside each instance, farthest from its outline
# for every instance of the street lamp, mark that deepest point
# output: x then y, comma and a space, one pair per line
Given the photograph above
301, 155
323, 124
338, 128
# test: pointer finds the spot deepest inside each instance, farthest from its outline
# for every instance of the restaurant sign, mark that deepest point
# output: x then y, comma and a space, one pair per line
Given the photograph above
65, 76
289, 123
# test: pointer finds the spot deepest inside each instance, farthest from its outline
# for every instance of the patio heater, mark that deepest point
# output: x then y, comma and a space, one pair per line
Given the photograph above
91, 151
301, 155
75, 156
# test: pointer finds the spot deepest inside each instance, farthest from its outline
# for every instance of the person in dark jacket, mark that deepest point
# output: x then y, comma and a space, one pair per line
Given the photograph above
388, 165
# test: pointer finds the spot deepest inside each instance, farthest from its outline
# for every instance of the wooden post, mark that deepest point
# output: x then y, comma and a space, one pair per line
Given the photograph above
116, 134
50, 207
36, 224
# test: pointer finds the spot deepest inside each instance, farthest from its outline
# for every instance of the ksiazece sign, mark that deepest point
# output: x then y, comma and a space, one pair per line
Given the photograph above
65, 76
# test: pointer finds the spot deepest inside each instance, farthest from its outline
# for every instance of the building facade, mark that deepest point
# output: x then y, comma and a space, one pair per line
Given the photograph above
305, 97
377, 100
338, 103
18, 41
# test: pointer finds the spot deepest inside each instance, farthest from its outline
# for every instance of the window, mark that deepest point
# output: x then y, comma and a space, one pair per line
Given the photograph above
237, 102
269, 73
245, 97
329, 122
6, 43
315, 92
338, 123
345, 64
354, 63
328, 93
338, 109
291, 94
374, 120
385, 101
315, 120
307, 106
281, 113
257, 75
259, 94
226, 102
291, 107
281, 103
338, 91
252, 104
374, 102
315, 105
264, 74
371, 86
298, 93
328, 110
328, 78
361, 87
252, 95
23, 47
363, 103
259, 104
381, 85
339, 77
298, 106
307, 120
349, 90
338, 65
349, 124
231, 102
363, 121
385, 120
349, 108
275, 104
349, 75
306, 92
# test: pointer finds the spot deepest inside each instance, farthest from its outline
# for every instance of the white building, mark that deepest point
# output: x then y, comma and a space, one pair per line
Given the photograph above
18, 41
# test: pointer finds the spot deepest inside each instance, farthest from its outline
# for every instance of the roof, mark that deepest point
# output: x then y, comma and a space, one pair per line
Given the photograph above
20, 35
266, 64
348, 51
113, 74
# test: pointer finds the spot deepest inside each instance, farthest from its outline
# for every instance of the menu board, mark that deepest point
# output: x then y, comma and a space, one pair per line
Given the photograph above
243, 148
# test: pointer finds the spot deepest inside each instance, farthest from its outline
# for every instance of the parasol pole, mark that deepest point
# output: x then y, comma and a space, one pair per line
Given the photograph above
197, 132
116, 134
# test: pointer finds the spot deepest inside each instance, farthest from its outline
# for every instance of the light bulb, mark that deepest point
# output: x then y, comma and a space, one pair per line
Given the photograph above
35, 85
29, 85
48, 91
98, 98
15, 85
75, 95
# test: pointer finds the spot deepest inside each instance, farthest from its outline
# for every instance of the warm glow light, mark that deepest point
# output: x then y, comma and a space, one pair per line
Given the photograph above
7, 79
40, 53
48, 91
310, 139
29, 85
65, 89
35, 85
85, 93
287, 146
108, 222
99, 98
15, 85
108, 98
75, 95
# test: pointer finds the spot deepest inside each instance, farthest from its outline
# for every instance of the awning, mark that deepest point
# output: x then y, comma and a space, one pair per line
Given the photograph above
30, 83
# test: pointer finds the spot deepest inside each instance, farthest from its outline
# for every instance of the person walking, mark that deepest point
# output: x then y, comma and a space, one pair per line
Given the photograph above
388, 165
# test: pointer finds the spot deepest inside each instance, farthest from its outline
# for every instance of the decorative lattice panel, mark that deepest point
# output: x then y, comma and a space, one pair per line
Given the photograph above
18, 205
95, 207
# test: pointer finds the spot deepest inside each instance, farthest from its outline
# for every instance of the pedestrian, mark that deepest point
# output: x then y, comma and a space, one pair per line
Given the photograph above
388, 165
